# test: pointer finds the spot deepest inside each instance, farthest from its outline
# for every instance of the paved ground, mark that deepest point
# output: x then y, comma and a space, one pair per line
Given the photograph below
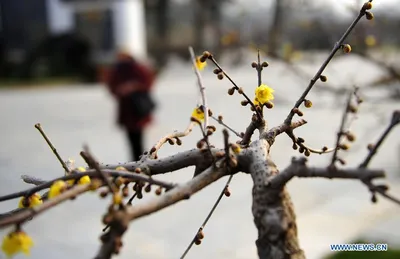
328, 211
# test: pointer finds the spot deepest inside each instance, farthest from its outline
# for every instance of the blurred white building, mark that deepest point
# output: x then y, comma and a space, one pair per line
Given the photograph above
107, 25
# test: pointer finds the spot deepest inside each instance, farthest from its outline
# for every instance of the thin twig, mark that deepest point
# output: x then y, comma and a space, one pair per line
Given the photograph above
91, 174
40, 129
93, 164
30, 212
201, 87
173, 135
341, 131
236, 87
226, 126
208, 216
372, 152
336, 47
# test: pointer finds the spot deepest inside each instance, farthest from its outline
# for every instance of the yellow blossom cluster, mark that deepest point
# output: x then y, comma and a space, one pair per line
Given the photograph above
16, 242
263, 94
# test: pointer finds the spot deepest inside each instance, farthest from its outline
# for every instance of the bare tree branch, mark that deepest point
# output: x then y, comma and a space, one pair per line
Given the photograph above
201, 86
178, 193
299, 168
395, 120
336, 47
174, 135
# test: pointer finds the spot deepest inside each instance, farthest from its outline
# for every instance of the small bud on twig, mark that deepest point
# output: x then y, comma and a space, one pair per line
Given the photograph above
254, 64
369, 15
307, 103
346, 48
323, 78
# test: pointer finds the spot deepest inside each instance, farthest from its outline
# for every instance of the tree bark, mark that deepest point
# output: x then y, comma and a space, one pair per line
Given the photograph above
272, 209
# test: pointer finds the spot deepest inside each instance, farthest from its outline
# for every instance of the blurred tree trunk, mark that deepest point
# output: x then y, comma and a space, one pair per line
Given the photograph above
157, 11
216, 19
275, 32
201, 7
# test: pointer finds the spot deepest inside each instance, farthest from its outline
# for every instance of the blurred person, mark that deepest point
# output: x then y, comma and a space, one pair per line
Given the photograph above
130, 84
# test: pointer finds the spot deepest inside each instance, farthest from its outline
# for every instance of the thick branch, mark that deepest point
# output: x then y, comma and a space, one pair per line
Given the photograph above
272, 208
168, 164
177, 194
299, 168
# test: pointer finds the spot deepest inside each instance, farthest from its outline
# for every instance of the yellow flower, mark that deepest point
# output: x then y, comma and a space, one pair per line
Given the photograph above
33, 200
200, 65
256, 102
84, 180
198, 114
16, 242
117, 199
57, 188
264, 94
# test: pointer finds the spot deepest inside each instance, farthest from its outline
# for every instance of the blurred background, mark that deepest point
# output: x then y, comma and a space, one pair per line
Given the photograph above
55, 58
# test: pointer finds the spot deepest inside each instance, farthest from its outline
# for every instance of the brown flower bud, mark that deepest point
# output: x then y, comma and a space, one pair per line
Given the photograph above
240, 90
324, 149
217, 71
220, 76
104, 193
370, 146
346, 48
265, 64
138, 170
300, 140
341, 161
269, 105
307, 103
369, 15
294, 146
212, 127
307, 152
140, 195
170, 141
301, 150
200, 234
353, 109
107, 219
159, 190
367, 6
350, 136
206, 54
125, 191
344, 146
147, 188
220, 118
209, 132
373, 198
231, 91
200, 143
244, 102
203, 59
254, 64
197, 241
152, 150
227, 193
178, 141
323, 78
210, 112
